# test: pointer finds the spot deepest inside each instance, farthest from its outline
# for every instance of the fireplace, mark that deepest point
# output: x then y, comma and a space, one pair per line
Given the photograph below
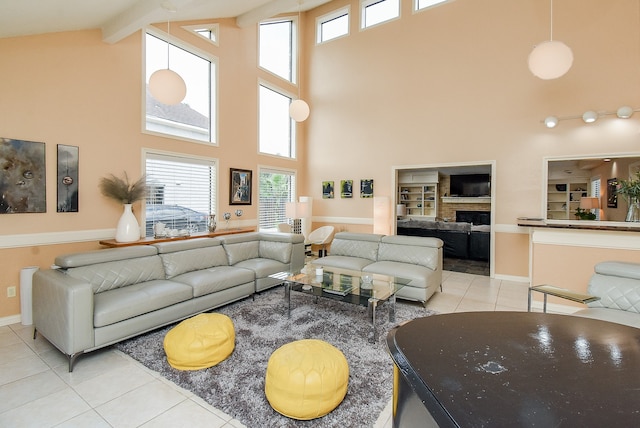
474, 217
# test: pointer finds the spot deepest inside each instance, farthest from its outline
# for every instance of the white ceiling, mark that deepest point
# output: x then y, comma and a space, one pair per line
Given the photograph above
120, 18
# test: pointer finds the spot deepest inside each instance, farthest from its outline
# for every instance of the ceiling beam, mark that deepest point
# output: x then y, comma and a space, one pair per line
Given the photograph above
274, 8
140, 15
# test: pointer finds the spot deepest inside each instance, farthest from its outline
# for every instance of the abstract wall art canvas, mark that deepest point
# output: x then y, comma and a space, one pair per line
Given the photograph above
346, 188
327, 190
366, 188
22, 177
67, 179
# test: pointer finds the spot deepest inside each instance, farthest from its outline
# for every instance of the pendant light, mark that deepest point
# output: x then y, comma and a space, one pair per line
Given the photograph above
550, 59
165, 85
299, 109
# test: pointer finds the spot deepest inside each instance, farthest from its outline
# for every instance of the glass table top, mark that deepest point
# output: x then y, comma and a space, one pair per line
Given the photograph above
347, 285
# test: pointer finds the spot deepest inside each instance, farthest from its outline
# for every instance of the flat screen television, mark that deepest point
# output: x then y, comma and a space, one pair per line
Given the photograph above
470, 185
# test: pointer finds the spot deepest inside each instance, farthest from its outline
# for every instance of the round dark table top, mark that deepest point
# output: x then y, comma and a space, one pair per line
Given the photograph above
521, 369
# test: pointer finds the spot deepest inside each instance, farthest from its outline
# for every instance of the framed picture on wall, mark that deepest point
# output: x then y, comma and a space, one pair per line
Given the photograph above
240, 187
612, 193
327, 190
346, 188
67, 179
23, 186
366, 188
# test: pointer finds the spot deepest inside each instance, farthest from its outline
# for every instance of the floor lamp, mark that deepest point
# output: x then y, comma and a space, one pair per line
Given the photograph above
296, 211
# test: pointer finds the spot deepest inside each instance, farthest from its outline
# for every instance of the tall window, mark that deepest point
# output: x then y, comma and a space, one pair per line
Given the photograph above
332, 25
182, 192
276, 128
377, 11
278, 53
195, 117
276, 188
423, 4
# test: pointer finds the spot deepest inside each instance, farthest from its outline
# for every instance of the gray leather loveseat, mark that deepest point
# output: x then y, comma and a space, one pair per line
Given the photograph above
416, 258
618, 286
101, 297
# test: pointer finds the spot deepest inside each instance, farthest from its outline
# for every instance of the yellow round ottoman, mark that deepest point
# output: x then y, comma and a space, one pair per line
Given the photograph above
200, 342
306, 379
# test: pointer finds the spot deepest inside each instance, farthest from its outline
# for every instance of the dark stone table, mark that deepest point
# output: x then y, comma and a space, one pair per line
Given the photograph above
515, 369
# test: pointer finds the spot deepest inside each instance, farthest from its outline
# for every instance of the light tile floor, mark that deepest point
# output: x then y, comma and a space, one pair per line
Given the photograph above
109, 389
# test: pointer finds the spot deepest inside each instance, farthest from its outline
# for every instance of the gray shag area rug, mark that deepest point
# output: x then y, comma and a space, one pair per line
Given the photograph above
236, 385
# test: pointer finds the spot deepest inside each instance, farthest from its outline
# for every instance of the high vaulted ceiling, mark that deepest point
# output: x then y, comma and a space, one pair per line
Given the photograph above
120, 18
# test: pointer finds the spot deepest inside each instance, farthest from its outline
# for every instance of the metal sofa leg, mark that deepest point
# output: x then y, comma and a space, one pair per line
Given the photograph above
72, 359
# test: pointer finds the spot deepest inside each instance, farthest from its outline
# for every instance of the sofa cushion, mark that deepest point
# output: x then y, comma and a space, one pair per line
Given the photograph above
121, 273
361, 245
102, 256
419, 275
191, 260
239, 251
263, 267
343, 262
280, 251
622, 269
215, 279
615, 292
127, 302
410, 254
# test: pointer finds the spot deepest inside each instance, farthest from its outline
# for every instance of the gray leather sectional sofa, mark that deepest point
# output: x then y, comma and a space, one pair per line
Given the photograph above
410, 257
618, 286
97, 298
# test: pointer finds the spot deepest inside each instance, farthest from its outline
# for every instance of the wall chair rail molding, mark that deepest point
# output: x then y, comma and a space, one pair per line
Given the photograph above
53, 238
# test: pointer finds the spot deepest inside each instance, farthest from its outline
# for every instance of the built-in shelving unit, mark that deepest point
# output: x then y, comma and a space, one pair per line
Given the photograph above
419, 194
563, 198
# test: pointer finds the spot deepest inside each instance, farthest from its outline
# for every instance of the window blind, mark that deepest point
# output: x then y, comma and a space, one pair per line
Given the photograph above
182, 191
275, 189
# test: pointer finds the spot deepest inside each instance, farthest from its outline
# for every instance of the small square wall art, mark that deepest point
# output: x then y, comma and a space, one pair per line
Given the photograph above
327, 190
346, 188
366, 188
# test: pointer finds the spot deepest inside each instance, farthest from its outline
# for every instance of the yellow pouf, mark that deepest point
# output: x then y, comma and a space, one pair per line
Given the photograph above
306, 379
200, 342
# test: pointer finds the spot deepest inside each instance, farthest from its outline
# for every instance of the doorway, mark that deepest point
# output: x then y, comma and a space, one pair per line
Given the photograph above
453, 202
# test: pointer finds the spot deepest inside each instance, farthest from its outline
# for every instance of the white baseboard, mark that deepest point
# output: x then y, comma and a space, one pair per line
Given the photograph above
513, 278
12, 319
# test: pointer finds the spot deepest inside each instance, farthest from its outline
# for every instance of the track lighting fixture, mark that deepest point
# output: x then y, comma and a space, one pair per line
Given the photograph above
624, 112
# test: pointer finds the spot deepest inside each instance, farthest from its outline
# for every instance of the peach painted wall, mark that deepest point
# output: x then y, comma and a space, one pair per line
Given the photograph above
446, 85
451, 84
72, 88
571, 266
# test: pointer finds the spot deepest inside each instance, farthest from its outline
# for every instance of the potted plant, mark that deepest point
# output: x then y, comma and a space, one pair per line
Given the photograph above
630, 190
584, 214
126, 193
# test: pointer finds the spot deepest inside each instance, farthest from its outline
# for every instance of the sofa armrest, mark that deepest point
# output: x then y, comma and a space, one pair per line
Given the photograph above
63, 310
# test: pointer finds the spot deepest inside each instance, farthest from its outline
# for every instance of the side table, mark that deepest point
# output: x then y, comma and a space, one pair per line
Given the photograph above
547, 289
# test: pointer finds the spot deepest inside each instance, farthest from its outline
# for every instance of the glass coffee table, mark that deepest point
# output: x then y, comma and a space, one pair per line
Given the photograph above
358, 288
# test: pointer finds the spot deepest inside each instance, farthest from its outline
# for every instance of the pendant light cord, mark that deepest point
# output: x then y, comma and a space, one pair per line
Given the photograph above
551, 36
168, 44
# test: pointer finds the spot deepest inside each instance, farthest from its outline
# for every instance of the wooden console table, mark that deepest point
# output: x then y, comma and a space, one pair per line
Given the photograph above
111, 243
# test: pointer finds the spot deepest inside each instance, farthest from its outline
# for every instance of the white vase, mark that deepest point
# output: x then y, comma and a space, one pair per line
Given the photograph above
128, 229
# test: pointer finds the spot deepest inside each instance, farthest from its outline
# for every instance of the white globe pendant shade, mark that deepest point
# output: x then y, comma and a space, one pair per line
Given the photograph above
299, 110
167, 86
550, 60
